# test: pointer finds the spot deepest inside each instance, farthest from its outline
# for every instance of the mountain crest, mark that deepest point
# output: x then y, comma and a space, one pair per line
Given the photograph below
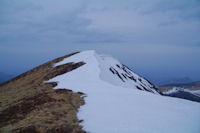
108, 69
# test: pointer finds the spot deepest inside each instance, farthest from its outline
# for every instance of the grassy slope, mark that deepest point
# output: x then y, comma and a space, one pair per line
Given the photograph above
27, 104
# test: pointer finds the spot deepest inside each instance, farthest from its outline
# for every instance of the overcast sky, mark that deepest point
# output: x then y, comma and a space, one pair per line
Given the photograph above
159, 39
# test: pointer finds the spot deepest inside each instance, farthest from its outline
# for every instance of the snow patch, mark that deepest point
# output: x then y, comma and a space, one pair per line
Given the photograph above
114, 106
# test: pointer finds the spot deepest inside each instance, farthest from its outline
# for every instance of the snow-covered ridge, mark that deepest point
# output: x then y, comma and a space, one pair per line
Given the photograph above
116, 105
112, 71
115, 72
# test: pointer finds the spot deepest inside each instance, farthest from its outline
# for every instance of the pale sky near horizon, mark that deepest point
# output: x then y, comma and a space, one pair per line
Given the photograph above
159, 39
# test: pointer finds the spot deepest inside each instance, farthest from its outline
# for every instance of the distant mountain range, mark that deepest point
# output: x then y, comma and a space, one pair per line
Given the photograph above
190, 91
191, 85
182, 80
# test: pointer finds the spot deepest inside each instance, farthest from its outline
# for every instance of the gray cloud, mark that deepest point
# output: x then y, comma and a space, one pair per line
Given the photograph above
157, 32
156, 21
47, 23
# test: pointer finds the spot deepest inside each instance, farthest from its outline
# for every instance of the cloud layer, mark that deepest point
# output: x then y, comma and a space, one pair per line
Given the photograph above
155, 37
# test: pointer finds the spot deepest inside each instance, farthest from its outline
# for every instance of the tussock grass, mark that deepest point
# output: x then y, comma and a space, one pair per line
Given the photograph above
28, 104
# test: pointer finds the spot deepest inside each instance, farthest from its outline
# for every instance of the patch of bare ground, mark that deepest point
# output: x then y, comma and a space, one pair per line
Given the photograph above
165, 88
29, 105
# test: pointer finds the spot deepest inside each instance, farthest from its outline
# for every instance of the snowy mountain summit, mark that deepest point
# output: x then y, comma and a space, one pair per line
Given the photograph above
108, 69
119, 101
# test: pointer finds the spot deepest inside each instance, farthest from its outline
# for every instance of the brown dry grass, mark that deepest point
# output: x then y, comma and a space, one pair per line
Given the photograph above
165, 88
27, 104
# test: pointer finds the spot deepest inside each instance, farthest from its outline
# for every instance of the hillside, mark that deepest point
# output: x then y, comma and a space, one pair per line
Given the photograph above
28, 105
189, 91
89, 92
191, 85
114, 104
